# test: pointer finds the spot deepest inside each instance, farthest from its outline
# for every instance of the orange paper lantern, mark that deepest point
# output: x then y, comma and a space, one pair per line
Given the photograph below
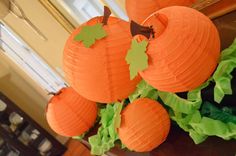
145, 124
69, 114
184, 52
139, 10
100, 73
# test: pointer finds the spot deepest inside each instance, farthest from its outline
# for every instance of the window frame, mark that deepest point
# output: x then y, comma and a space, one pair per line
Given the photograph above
28, 61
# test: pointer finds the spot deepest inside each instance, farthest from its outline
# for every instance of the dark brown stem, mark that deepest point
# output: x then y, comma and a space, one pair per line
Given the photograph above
137, 29
107, 13
54, 94
57, 93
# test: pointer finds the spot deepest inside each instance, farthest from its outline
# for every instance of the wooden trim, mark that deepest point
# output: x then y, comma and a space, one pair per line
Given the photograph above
201, 4
58, 15
219, 8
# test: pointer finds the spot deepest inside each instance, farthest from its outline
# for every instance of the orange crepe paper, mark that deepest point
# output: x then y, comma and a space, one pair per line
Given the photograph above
184, 52
145, 124
100, 73
139, 10
69, 114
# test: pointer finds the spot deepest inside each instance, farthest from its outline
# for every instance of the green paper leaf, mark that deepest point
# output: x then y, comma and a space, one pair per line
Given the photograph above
137, 57
89, 34
222, 75
106, 136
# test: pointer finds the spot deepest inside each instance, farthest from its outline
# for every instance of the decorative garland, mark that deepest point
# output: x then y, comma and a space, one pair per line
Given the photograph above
200, 119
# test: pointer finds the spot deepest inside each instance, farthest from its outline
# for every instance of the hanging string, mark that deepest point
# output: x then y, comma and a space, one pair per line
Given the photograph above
21, 15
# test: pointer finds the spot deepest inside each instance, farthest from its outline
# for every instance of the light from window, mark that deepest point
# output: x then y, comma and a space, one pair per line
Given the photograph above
34, 66
117, 9
84, 10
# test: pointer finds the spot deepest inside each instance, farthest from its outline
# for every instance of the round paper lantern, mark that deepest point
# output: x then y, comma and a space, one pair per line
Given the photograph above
69, 114
139, 10
100, 73
184, 51
145, 124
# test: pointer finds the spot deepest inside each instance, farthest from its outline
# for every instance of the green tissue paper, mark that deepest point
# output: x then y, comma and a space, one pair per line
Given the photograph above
106, 136
222, 75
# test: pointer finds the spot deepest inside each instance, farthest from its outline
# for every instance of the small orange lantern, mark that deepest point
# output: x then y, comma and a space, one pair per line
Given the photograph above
100, 72
184, 51
69, 114
139, 10
145, 124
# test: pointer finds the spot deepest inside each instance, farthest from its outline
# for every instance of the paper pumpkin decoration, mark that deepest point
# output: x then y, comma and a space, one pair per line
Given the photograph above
139, 10
184, 51
99, 72
69, 114
145, 124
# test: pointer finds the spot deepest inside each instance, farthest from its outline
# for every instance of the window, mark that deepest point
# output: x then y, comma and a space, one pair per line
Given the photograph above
83, 10
36, 68
117, 9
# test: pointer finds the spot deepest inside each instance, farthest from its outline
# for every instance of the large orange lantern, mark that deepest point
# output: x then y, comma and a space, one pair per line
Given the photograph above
139, 10
100, 73
145, 124
69, 114
184, 51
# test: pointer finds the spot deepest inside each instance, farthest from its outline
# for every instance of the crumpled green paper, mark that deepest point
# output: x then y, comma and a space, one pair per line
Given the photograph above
222, 75
106, 135
211, 121
225, 114
80, 137
211, 127
144, 90
181, 105
200, 126
186, 111
200, 119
